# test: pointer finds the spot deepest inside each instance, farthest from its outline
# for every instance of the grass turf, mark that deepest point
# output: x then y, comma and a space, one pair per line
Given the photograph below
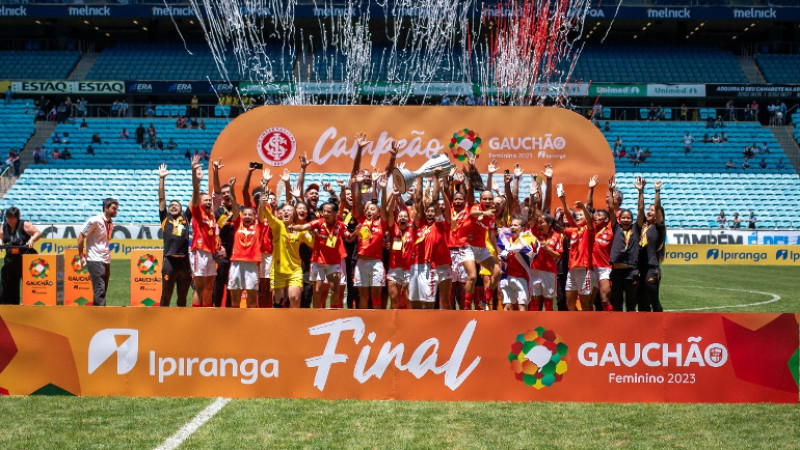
58, 422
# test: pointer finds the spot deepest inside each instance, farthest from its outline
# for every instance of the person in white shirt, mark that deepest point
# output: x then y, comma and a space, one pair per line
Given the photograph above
94, 237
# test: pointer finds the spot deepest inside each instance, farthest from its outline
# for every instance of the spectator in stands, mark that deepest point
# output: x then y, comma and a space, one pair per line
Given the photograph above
9, 95
730, 164
640, 156
61, 112
719, 123
151, 131
37, 156
194, 107
13, 161
623, 152
684, 114
633, 158
780, 114
445, 101
181, 123
115, 108
201, 124
607, 127
95, 235
710, 122
715, 139
706, 139
66, 155
746, 164
722, 221
149, 110
615, 152
159, 144
65, 139
647, 152
748, 152
618, 143
56, 138
56, 154
763, 164
171, 145
771, 108
197, 154
96, 139
780, 165
652, 112
688, 140
140, 132
84, 124
90, 150
751, 221
736, 222
723, 137
765, 149
188, 154
205, 156
123, 108
731, 110
193, 123
124, 134
754, 110
82, 107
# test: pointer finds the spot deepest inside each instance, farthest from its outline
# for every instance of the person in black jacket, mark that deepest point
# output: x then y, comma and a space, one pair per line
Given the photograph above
625, 255
18, 236
651, 253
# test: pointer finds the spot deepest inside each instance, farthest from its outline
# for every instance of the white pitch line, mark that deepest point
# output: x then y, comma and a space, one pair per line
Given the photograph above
187, 430
775, 298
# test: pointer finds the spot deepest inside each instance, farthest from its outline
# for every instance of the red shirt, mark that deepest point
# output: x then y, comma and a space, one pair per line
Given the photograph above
453, 241
581, 241
370, 238
204, 230
601, 252
246, 241
430, 245
266, 238
328, 245
513, 267
401, 252
544, 261
474, 229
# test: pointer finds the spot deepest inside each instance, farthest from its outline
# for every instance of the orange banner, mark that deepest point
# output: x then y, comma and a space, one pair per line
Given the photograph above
39, 277
77, 282
530, 136
146, 277
409, 355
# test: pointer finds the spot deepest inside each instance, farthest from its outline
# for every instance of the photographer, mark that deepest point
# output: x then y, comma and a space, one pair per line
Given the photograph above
18, 237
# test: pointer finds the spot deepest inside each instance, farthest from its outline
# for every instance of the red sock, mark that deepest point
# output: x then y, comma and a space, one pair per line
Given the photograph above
196, 305
608, 307
535, 305
376, 302
548, 304
468, 300
488, 296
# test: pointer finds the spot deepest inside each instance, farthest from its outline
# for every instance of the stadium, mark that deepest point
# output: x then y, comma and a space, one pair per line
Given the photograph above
101, 98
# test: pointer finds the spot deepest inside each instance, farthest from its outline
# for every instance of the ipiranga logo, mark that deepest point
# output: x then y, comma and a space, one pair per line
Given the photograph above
122, 341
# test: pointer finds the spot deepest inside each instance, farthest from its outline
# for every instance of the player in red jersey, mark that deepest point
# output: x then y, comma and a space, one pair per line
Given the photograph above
518, 255
431, 258
329, 235
473, 236
544, 269
370, 275
243, 274
262, 193
460, 204
604, 223
205, 240
401, 239
581, 235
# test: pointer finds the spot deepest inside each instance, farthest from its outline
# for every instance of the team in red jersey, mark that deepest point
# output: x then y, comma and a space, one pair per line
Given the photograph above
426, 248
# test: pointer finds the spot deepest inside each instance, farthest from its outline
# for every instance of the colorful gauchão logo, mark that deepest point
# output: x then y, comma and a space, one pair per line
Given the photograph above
77, 267
276, 146
39, 268
465, 143
147, 264
538, 357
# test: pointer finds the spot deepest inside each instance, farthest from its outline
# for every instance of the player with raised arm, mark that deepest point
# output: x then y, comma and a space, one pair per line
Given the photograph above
205, 240
176, 270
581, 235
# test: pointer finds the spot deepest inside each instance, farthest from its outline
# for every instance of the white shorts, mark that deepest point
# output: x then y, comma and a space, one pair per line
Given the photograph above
443, 273
601, 273
576, 281
203, 264
243, 275
459, 274
369, 273
320, 272
422, 284
543, 284
477, 254
514, 290
266, 265
398, 276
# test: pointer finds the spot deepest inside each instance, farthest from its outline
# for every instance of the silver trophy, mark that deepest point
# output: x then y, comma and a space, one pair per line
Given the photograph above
403, 178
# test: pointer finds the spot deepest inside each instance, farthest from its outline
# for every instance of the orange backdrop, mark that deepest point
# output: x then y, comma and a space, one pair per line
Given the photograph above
530, 136
410, 355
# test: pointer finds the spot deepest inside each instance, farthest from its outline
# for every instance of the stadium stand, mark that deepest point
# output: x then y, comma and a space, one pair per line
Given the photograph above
779, 68
658, 64
16, 123
170, 61
37, 65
